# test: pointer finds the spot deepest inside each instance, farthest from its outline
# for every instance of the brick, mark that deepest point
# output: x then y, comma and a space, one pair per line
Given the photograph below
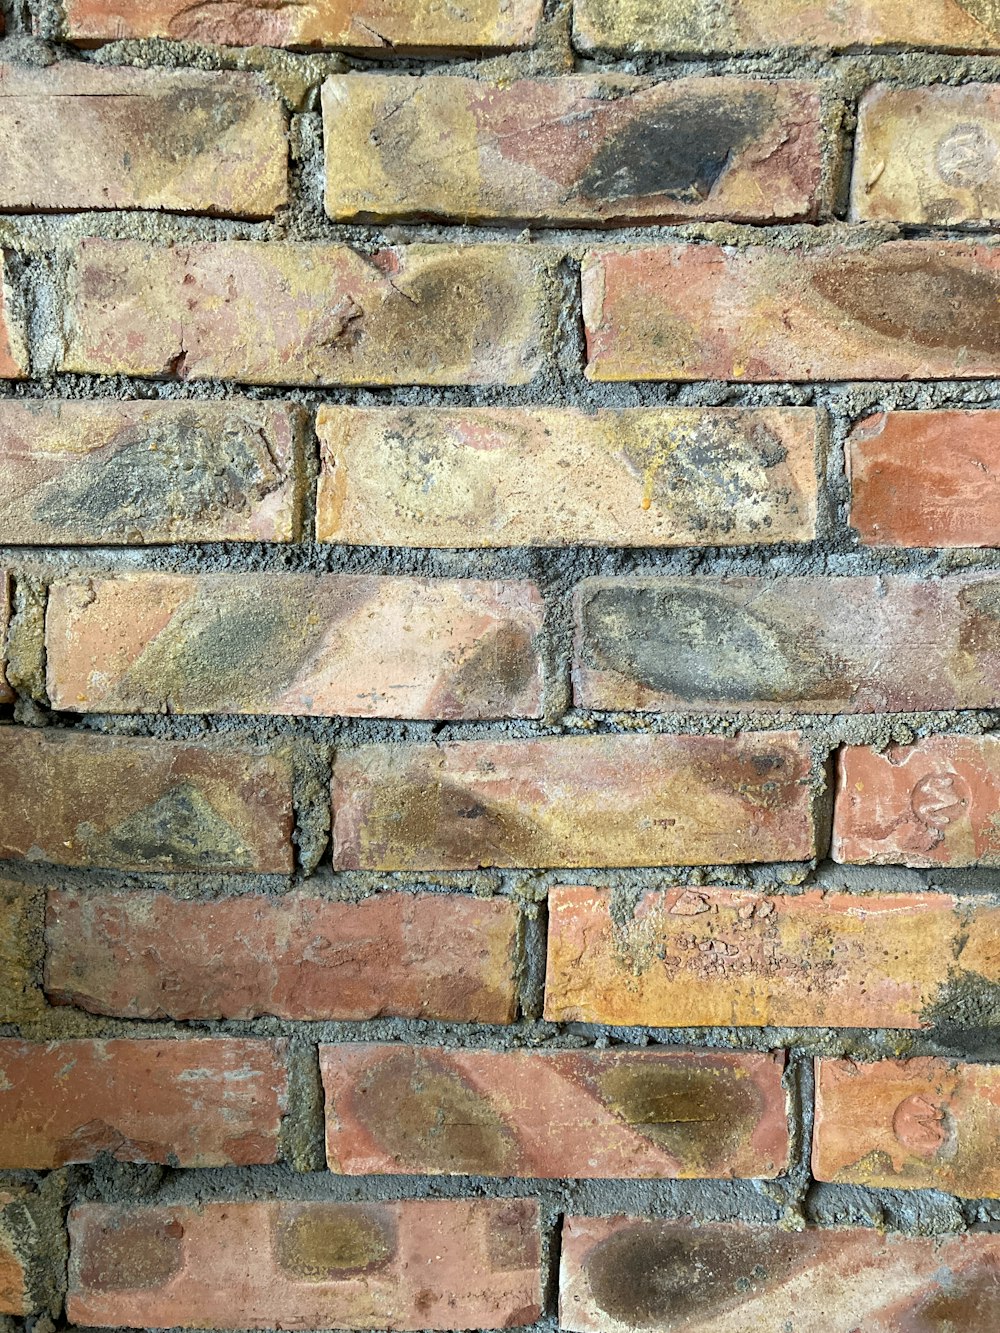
720, 957
908, 1124
811, 645
200, 1103
469, 477
13, 348
761, 314
133, 473
625, 1114
78, 799
295, 644
927, 156
187, 141
573, 801
6, 693
705, 27
20, 945
394, 955
929, 804
575, 150
926, 479
393, 27
280, 313
416, 1264
625, 1274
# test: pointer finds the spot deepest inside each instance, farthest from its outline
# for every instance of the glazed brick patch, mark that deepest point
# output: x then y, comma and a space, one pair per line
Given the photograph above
737, 1278
77, 799
908, 1124
211, 1102
6, 693
763, 313
284, 313
574, 150
394, 955
491, 477
397, 1110
814, 644
714, 957
412, 1265
573, 801
296, 644
129, 138
20, 918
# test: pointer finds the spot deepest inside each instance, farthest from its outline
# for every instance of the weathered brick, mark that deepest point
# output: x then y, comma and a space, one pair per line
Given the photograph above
929, 804
189, 142
626, 1274
113, 473
927, 156
6, 693
13, 348
393, 27
395, 955
280, 313
78, 799
813, 644
20, 948
759, 314
302, 644
714, 957
623, 1114
562, 477
468, 1263
908, 1124
926, 478
16, 1294
578, 149
207, 1102
703, 27
574, 801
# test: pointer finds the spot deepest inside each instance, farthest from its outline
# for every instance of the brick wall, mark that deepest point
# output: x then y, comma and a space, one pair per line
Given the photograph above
500, 665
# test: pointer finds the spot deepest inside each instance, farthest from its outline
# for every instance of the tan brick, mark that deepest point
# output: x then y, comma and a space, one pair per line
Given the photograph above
394, 955
718, 957
6, 693
625, 1274
282, 313
80, 799
621, 1114
908, 1124
20, 949
759, 314
562, 477
811, 645
579, 149
573, 801
468, 1263
131, 473
188, 142
13, 348
209, 1102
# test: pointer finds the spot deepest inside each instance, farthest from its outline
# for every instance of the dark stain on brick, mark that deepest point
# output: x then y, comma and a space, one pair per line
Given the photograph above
967, 1302
496, 674
180, 831
132, 1253
512, 1240
323, 1242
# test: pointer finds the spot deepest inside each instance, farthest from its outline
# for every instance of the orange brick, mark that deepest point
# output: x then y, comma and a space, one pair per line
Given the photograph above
79, 799
6, 693
574, 801
719, 957
759, 314
468, 1263
211, 1102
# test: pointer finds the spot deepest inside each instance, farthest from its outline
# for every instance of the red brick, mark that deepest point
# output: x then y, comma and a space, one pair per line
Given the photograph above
718, 957
280, 313
573, 801
358, 645
394, 1110
589, 149
78, 799
695, 312
929, 804
6, 693
620, 1274
468, 1263
211, 1102
908, 1124
130, 473
396, 955
13, 349
810, 645
188, 142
